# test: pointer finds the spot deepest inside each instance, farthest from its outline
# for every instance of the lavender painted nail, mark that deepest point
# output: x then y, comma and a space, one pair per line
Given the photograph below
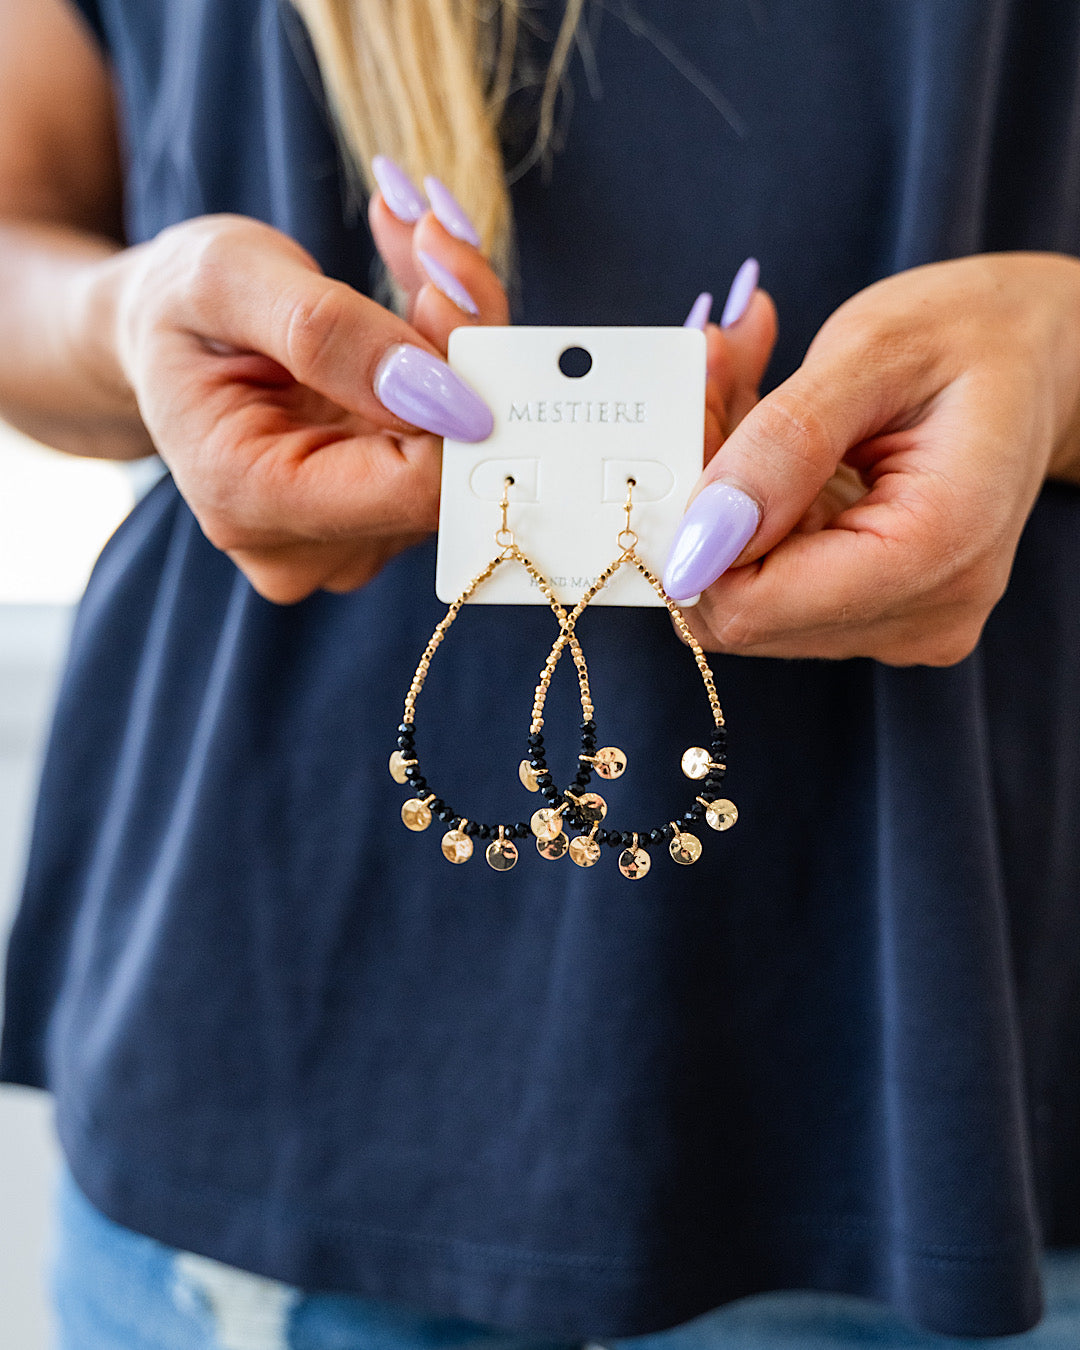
719, 523
449, 212
741, 293
399, 191
423, 390
699, 312
447, 283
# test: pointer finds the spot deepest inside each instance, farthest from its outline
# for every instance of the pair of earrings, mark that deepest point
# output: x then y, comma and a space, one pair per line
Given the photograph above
574, 806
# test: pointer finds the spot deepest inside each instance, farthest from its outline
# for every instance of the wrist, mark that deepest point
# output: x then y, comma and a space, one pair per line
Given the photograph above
91, 323
1064, 458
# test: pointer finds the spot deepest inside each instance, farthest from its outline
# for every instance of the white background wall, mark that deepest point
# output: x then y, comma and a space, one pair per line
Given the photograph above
55, 513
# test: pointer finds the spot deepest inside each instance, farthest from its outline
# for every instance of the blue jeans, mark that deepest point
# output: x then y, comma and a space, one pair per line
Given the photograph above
117, 1290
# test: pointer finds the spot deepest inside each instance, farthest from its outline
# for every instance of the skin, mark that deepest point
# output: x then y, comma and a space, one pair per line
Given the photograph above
894, 470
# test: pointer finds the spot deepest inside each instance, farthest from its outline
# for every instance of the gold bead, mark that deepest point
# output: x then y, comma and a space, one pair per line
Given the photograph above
398, 765
721, 814
610, 762
501, 854
546, 823
457, 847
415, 814
685, 848
591, 805
553, 849
585, 851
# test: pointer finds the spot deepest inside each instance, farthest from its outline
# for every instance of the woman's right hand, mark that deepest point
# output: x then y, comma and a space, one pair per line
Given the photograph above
301, 421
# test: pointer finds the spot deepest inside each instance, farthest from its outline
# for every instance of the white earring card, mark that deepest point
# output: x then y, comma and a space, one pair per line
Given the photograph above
578, 412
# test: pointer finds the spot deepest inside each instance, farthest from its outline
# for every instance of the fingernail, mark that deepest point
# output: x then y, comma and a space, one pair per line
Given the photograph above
741, 293
719, 523
399, 191
446, 282
449, 212
423, 390
699, 312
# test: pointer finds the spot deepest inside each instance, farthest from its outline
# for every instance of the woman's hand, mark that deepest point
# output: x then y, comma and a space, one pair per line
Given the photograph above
872, 504
301, 421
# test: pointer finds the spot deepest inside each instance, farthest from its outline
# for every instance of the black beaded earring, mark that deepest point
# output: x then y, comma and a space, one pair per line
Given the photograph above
418, 811
585, 810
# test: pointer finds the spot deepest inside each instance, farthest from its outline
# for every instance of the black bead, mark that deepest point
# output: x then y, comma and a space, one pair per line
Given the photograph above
484, 832
590, 725
538, 762
420, 787
656, 836
413, 771
550, 792
697, 811
523, 830
406, 727
405, 743
601, 836
446, 814
536, 738
544, 780
471, 828
582, 780
437, 805
668, 833
588, 741
688, 818
713, 783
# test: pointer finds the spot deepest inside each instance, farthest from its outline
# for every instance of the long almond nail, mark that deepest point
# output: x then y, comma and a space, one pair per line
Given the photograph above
699, 312
421, 389
449, 212
718, 525
741, 293
399, 191
445, 281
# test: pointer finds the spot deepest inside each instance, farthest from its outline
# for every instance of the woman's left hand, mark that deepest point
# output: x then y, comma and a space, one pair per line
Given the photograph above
871, 505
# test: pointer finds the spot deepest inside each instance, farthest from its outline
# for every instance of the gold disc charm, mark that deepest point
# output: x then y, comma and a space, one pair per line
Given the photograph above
685, 848
501, 853
591, 805
698, 763
610, 762
634, 862
721, 814
584, 850
547, 822
416, 814
398, 764
527, 774
553, 849
457, 847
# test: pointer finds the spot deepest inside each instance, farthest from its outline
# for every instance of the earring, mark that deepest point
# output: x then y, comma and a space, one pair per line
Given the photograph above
418, 811
585, 811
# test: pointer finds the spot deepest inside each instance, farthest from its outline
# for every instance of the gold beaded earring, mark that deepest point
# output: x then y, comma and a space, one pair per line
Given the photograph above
418, 811
585, 810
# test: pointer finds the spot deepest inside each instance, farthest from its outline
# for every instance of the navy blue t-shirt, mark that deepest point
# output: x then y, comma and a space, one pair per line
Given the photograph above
841, 1051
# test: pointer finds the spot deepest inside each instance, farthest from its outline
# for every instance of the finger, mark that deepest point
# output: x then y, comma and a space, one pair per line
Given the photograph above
772, 467
461, 286
835, 594
393, 239
328, 337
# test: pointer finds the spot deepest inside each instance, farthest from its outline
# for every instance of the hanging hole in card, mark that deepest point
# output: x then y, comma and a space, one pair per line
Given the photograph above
575, 362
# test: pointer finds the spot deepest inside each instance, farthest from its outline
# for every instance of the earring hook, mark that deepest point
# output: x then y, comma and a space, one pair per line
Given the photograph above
628, 539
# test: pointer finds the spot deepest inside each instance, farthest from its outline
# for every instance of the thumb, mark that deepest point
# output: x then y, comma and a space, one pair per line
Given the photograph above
768, 473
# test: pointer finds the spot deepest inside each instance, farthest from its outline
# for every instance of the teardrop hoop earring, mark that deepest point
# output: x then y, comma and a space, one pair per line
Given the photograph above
585, 811
418, 811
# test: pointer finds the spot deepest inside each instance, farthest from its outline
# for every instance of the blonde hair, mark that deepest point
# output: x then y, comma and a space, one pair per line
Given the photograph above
426, 82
